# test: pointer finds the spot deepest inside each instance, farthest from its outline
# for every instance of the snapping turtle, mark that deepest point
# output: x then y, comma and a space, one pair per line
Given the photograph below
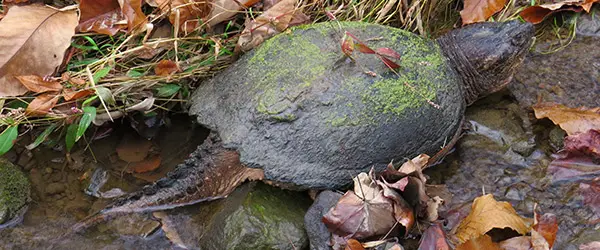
297, 108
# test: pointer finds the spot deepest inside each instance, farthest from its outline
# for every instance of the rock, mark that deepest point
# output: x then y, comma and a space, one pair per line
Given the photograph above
570, 76
14, 192
258, 217
589, 24
318, 234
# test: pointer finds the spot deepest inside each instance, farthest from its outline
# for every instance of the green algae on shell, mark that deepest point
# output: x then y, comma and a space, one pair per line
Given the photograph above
296, 102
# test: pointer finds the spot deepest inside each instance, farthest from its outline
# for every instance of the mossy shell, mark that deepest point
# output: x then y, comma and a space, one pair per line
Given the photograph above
14, 191
306, 114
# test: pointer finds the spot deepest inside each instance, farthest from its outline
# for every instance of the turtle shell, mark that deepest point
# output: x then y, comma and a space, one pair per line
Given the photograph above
308, 115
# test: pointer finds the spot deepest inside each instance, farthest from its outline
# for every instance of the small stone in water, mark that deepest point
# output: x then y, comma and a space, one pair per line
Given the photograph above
48, 170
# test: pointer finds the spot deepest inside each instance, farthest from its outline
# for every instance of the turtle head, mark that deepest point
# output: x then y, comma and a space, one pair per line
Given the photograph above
487, 54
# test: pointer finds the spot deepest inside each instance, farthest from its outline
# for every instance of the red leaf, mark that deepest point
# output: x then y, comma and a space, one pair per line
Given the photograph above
537, 14
480, 10
347, 44
364, 48
387, 52
389, 63
547, 226
434, 238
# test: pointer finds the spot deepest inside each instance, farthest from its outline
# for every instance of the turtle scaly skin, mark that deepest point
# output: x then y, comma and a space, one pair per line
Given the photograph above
298, 109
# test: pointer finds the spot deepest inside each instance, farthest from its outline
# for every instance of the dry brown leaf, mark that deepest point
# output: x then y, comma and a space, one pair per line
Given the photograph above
146, 165
108, 16
571, 120
70, 94
170, 229
483, 242
271, 22
42, 104
537, 14
33, 40
225, 9
166, 68
480, 10
486, 214
353, 244
190, 11
547, 227
38, 85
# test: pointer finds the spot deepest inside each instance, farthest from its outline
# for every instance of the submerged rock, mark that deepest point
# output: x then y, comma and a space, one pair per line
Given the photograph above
14, 192
256, 216
317, 231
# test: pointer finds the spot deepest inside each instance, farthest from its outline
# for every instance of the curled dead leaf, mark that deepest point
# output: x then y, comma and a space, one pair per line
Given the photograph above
479, 243
572, 120
42, 104
434, 238
34, 39
70, 94
536, 14
486, 214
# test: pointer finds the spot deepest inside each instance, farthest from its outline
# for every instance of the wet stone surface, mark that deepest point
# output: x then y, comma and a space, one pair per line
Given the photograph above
492, 160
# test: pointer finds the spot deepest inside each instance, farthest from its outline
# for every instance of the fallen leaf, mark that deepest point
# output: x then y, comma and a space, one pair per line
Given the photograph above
353, 244
480, 10
133, 148
594, 245
33, 41
434, 238
107, 16
516, 243
547, 227
38, 85
369, 210
387, 52
70, 94
538, 242
486, 214
591, 195
42, 104
483, 242
353, 217
587, 143
225, 9
537, 14
571, 120
271, 22
166, 68
146, 165
347, 44
190, 12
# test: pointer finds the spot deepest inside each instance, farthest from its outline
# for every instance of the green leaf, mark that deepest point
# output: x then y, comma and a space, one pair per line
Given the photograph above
15, 104
70, 136
89, 113
42, 137
135, 73
168, 90
101, 73
106, 95
7, 138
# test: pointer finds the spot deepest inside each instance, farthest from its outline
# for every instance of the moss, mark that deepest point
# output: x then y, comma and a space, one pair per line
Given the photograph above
287, 56
14, 190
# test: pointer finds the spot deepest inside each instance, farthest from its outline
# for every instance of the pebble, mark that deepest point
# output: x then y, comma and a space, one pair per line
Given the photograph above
48, 170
